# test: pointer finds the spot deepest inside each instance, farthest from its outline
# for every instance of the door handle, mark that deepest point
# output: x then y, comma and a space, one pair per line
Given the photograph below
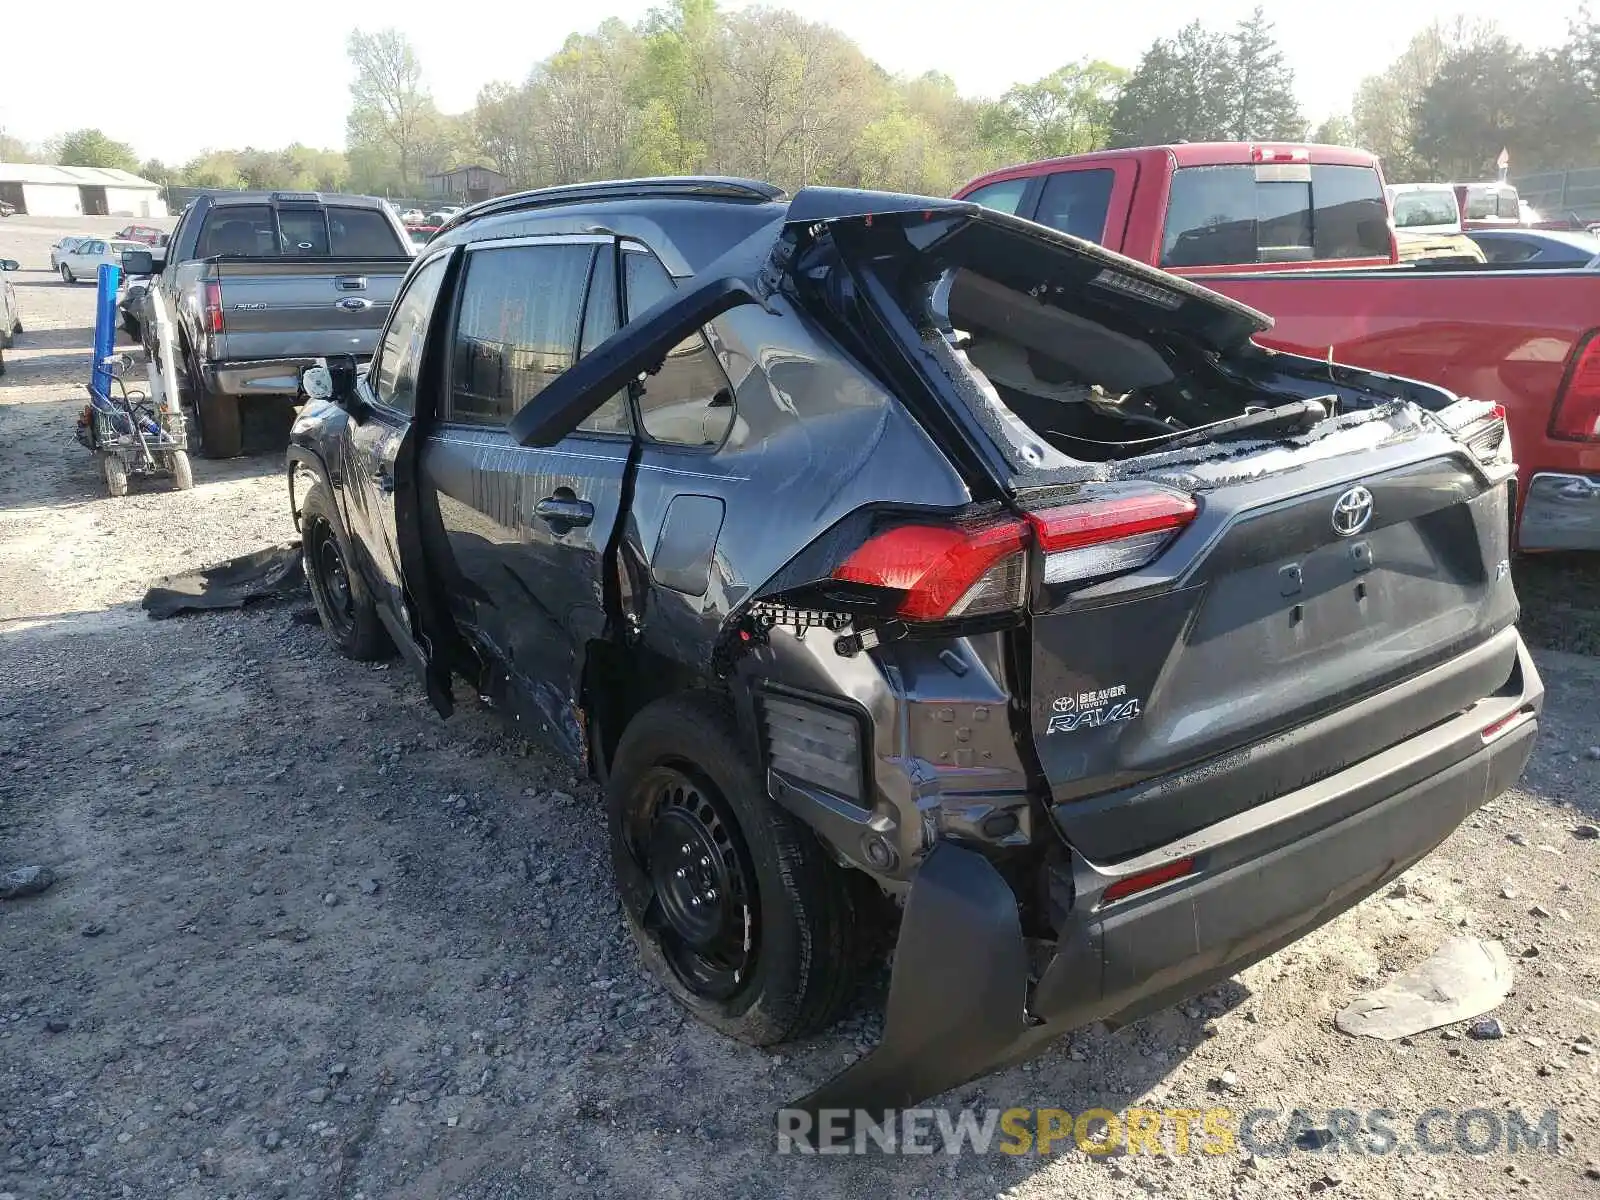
564, 511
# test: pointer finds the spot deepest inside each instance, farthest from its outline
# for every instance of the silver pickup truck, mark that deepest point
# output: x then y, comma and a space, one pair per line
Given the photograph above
258, 285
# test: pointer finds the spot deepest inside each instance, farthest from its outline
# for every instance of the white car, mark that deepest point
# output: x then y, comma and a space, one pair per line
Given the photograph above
440, 215
82, 261
70, 242
10, 311
411, 216
1424, 207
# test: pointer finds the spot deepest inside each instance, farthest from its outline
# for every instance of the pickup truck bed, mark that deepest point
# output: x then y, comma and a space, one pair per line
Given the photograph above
1510, 336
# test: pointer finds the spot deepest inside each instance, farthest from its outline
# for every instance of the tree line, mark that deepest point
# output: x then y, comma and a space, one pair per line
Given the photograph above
765, 93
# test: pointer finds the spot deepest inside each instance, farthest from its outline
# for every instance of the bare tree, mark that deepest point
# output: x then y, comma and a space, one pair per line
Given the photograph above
389, 105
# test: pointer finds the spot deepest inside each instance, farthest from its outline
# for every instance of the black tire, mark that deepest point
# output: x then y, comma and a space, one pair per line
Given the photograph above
116, 473
67, 276
130, 327
795, 964
182, 470
343, 600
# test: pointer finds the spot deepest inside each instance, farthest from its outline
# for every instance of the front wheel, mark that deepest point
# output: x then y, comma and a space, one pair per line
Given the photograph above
343, 600
734, 904
182, 470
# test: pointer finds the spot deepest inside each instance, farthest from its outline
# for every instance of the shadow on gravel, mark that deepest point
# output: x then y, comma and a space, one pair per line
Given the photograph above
79, 337
322, 904
1560, 595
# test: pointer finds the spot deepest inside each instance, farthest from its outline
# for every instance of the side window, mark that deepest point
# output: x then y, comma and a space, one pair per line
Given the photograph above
394, 373
599, 323
689, 401
1076, 202
1004, 196
521, 308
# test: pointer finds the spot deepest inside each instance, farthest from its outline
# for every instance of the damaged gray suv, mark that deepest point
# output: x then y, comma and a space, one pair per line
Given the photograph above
905, 567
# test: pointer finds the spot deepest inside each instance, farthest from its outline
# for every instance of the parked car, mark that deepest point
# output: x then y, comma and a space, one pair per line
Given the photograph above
1526, 339
420, 234
412, 216
10, 310
440, 215
1427, 223
61, 245
1538, 247
81, 262
258, 284
7, 210
1488, 205
150, 235
758, 508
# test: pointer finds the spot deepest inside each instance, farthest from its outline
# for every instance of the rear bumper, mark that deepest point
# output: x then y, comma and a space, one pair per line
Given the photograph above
961, 1001
277, 377
1561, 512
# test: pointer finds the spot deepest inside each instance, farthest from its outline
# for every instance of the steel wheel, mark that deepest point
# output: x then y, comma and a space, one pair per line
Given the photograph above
704, 909
330, 576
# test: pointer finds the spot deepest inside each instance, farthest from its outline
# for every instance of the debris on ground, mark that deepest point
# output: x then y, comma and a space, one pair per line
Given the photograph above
1463, 978
25, 881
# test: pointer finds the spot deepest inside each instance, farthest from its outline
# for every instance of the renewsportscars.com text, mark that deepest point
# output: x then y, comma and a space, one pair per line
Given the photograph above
1266, 1132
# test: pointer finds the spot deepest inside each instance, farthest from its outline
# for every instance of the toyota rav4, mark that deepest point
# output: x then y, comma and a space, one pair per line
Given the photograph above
892, 556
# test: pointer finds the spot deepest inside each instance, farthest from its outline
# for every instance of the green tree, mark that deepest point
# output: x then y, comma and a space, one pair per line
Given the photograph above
1476, 105
1069, 111
1259, 92
91, 148
1178, 92
390, 109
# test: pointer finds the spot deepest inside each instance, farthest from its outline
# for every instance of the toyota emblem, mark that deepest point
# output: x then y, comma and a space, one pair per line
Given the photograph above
1352, 512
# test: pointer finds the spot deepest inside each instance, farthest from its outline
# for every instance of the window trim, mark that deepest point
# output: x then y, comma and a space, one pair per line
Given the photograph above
707, 332
370, 376
445, 418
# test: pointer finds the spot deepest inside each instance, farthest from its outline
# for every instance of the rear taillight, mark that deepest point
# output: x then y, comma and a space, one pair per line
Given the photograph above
977, 568
945, 570
1576, 416
1110, 536
212, 306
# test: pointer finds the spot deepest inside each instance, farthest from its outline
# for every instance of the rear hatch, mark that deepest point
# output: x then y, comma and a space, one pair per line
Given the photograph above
1248, 571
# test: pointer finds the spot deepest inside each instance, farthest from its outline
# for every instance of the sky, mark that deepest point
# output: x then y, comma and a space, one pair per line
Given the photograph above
225, 74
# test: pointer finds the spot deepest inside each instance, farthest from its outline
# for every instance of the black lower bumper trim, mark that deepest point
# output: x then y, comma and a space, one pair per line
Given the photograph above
959, 1000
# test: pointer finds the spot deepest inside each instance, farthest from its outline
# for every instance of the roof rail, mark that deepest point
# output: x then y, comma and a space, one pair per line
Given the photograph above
675, 187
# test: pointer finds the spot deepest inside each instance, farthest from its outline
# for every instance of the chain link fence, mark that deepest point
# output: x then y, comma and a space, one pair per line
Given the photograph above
1557, 193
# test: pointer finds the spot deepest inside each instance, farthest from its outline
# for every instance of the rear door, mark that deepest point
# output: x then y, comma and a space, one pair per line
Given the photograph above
377, 444
527, 528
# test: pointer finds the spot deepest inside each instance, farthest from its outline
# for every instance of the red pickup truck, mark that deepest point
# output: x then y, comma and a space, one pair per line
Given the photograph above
1303, 233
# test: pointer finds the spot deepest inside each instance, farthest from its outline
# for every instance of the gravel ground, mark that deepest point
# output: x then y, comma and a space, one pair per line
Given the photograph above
307, 940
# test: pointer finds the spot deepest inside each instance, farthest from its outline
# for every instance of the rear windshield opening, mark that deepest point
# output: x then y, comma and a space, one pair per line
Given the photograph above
258, 231
1232, 215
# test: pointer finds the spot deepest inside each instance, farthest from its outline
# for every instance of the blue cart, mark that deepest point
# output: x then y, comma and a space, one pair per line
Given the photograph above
130, 433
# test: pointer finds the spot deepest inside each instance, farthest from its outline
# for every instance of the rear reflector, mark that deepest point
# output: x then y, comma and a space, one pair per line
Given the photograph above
1107, 537
1145, 880
945, 570
1576, 416
1506, 724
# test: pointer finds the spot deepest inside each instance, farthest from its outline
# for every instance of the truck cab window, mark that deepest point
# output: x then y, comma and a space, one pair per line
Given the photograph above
688, 402
394, 370
521, 307
1004, 196
1076, 202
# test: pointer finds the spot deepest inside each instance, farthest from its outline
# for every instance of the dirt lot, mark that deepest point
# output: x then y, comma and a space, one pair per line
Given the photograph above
307, 940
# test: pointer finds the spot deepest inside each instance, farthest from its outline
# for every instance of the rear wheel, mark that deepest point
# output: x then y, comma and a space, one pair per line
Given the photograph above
734, 904
66, 274
343, 601
221, 435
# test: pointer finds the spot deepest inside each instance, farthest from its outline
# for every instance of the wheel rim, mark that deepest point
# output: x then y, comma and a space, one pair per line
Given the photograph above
332, 577
702, 911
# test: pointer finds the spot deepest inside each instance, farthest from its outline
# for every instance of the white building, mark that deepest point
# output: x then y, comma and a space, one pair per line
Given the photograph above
46, 191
